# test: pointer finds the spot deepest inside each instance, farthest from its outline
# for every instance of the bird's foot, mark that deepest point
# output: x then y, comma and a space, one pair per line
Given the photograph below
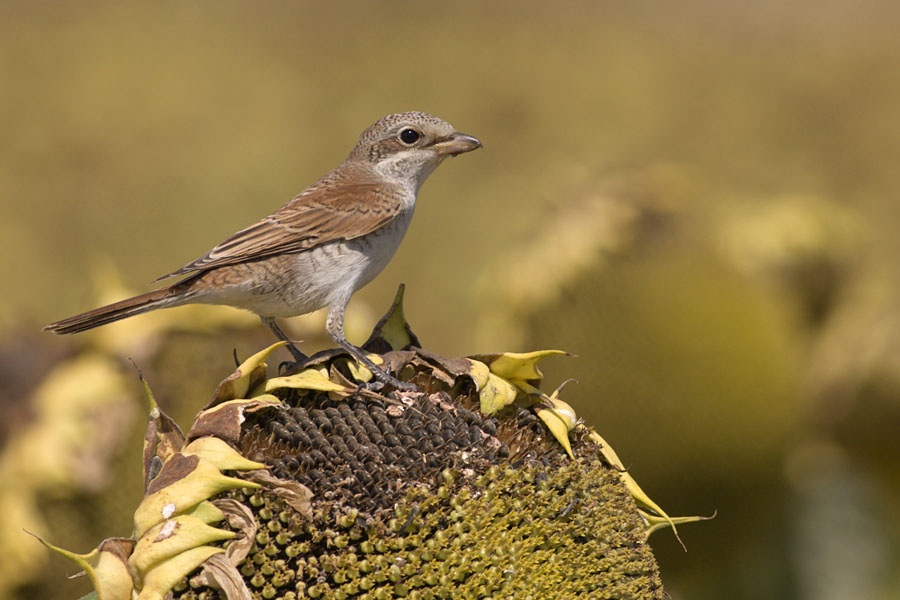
297, 364
369, 386
384, 378
288, 366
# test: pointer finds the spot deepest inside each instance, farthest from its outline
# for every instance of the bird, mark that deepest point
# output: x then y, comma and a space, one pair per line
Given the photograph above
317, 250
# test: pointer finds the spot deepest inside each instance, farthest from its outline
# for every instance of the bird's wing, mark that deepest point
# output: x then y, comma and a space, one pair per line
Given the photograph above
340, 211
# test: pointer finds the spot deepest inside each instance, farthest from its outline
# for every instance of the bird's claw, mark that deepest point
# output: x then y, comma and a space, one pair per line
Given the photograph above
404, 386
287, 366
369, 386
383, 380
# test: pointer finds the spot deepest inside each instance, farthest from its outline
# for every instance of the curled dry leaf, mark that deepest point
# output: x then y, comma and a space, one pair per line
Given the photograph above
295, 494
162, 439
224, 420
219, 572
241, 519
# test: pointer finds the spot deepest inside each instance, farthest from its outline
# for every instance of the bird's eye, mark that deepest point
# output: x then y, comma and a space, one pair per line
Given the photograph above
409, 136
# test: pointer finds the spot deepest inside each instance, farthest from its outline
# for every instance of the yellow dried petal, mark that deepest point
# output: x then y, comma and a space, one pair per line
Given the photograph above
558, 427
657, 522
245, 376
479, 372
359, 372
606, 451
517, 365
496, 394
640, 496
564, 411
307, 379
393, 328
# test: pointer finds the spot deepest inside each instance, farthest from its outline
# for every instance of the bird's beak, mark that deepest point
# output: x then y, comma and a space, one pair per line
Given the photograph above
457, 143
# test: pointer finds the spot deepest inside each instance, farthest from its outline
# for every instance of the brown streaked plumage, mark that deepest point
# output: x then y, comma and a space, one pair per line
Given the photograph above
319, 248
322, 214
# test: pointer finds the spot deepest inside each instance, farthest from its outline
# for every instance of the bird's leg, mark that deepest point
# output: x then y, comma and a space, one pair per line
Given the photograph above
334, 325
299, 357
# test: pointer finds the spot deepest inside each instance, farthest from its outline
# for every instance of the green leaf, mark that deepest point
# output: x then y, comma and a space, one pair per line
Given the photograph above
171, 538
159, 581
219, 453
189, 480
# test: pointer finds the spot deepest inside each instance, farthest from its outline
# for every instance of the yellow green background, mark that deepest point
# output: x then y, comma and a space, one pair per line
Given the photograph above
699, 199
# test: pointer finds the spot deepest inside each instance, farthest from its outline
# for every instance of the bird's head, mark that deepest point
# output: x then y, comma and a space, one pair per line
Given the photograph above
408, 146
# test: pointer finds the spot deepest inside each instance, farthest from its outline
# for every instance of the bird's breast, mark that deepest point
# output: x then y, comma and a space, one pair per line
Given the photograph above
302, 282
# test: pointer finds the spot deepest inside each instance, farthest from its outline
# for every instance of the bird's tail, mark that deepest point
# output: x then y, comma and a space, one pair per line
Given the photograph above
117, 311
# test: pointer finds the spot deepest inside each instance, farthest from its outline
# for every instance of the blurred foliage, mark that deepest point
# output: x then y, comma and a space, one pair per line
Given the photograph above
697, 199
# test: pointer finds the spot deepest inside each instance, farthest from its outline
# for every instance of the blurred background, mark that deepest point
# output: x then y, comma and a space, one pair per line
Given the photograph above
699, 199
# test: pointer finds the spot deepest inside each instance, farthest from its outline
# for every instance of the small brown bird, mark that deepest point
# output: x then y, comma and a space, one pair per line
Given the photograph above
319, 248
